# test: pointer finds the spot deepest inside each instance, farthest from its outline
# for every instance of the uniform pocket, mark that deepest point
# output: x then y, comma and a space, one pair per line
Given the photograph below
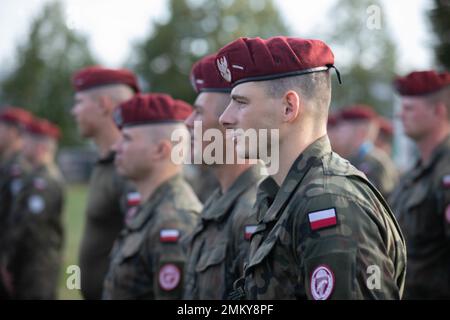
211, 257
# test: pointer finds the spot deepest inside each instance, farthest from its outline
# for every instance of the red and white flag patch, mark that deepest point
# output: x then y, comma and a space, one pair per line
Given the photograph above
249, 230
322, 219
446, 181
169, 235
133, 199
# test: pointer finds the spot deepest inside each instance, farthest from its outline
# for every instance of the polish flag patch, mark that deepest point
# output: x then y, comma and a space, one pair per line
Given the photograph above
248, 231
322, 219
169, 235
446, 181
133, 199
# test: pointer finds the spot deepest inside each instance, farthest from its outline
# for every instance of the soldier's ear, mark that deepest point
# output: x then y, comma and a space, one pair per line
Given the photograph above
291, 106
162, 149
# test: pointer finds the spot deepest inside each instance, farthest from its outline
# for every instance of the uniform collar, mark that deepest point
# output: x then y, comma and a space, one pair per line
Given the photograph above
310, 156
147, 209
440, 150
109, 158
219, 204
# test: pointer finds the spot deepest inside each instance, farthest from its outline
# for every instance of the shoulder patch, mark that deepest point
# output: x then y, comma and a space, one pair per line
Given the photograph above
133, 199
16, 170
169, 277
16, 186
169, 235
39, 183
322, 219
322, 282
446, 181
249, 230
36, 204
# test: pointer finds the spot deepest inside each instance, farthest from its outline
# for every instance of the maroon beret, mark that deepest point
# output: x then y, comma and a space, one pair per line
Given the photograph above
357, 112
16, 116
151, 108
420, 83
43, 127
204, 76
256, 59
96, 76
386, 126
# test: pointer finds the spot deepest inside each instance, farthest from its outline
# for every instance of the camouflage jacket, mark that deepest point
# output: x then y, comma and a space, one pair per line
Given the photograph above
326, 233
377, 166
12, 173
220, 242
36, 235
104, 219
421, 203
147, 260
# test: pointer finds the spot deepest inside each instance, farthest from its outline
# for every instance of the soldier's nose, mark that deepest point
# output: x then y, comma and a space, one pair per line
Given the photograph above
226, 119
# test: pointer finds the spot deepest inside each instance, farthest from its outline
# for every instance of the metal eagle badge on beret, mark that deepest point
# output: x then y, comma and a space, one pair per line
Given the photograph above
222, 65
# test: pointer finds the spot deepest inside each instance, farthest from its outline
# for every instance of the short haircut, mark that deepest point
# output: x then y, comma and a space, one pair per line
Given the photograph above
313, 87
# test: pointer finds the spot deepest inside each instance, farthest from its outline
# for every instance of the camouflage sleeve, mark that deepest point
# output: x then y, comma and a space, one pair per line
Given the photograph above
38, 243
341, 249
169, 258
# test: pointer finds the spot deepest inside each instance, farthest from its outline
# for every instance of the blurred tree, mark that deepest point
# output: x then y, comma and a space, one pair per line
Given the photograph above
364, 53
196, 28
40, 80
440, 21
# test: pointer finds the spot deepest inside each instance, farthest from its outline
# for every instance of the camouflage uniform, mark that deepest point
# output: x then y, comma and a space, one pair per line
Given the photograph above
220, 241
377, 166
105, 214
35, 235
296, 253
147, 260
12, 173
421, 203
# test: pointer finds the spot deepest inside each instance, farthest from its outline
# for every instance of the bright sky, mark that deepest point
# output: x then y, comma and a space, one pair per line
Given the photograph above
112, 26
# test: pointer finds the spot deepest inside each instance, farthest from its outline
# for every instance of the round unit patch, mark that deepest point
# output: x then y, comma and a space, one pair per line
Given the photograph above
36, 204
322, 283
169, 276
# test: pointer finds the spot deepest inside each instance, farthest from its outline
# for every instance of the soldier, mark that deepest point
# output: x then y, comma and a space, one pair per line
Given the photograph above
357, 131
220, 242
98, 91
421, 201
147, 261
35, 233
385, 135
324, 231
13, 168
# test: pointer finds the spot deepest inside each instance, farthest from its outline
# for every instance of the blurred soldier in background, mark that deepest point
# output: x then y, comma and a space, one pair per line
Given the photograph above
147, 261
98, 92
357, 130
35, 231
220, 242
13, 168
421, 201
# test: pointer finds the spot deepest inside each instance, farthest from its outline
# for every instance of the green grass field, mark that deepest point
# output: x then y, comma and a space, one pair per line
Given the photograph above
73, 225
